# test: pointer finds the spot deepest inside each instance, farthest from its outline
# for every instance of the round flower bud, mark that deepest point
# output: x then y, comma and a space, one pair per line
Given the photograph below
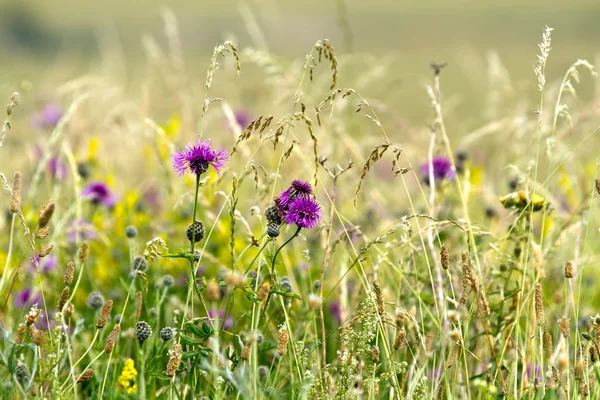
166, 334
273, 230
95, 301
195, 232
168, 281
272, 215
142, 331
131, 231
140, 264
263, 373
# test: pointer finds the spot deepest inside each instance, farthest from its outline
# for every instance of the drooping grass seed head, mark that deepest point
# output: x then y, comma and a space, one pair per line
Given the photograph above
195, 232
197, 158
140, 264
131, 232
142, 331
95, 300
167, 334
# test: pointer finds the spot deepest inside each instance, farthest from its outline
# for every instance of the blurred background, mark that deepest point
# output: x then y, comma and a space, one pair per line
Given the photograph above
36, 30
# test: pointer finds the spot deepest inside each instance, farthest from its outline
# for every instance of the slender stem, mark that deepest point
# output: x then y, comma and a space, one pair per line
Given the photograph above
273, 277
10, 246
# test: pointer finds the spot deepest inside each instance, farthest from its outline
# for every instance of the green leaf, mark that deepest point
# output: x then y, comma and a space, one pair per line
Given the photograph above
190, 340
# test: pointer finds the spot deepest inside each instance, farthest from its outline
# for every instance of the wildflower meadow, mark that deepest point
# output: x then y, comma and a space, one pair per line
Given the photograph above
267, 227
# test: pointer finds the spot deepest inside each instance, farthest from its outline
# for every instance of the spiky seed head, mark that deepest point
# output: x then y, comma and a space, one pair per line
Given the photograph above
142, 331
140, 264
95, 300
195, 231
22, 373
273, 215
168, 281
273, 230
112, 339
131, 232
263, 373
166, 334
46, 214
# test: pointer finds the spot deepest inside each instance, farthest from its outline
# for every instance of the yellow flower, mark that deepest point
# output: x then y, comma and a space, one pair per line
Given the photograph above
127, 379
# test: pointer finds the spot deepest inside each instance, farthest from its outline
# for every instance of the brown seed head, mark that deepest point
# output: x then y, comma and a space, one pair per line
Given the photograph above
174, 359
64, 296
283, 341
15, 201
42, 233
564, 326
548, 349
247, 348
597, 185
104, 314
539, 305
400, 341
69, 310
445, 257
46, 214
37, 336
263, 292
112, 339
85, 376
213, 291
138, 304
378, 297
21, 333
375, 353
452, 356
69, 273
84, 251
47, 249
568, 270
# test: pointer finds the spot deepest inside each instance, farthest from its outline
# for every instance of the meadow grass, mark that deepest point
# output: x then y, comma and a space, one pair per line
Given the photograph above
286, 236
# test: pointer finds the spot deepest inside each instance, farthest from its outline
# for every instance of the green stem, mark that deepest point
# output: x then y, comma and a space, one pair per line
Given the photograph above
273, 277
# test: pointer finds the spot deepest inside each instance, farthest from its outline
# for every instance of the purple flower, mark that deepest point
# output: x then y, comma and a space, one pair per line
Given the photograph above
56, 168
85, 229
197, 158
303, 212
46, 264
99, 193
48, 117
242, 117
26, 298
228, 321
335, 311
442, 169
297, 190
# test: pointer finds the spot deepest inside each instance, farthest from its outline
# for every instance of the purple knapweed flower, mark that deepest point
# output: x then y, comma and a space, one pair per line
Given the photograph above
442, 169
335, 311
45, 264
48, 117
26, 298
228, 321
304, 213
197, 158
242, 117
86, 231
297, 190
57, 169
99, 193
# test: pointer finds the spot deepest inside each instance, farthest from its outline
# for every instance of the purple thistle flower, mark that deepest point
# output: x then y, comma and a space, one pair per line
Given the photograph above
25, 298
197, 158
335, 311
99, 193
303, 212
442, 169
297, 190
48, 117
85, 229
228, 321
